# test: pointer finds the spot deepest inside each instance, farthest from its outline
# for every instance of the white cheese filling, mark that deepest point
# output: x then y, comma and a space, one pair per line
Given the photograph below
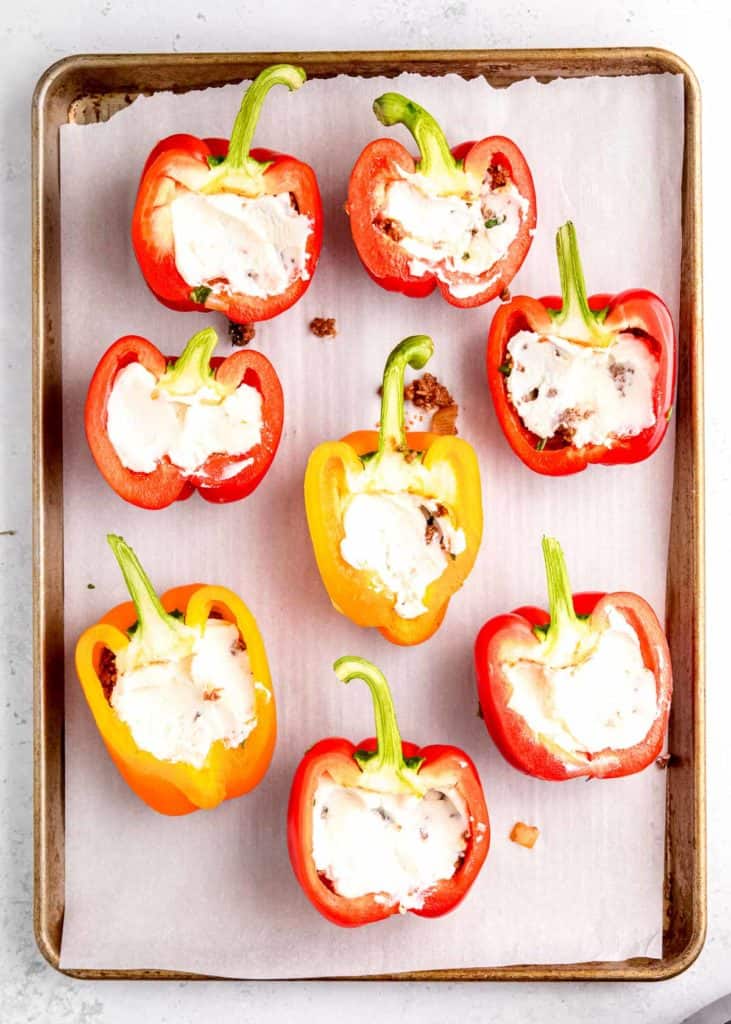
406, 540
395, 845
233, 244
177, 709
585, 395
449, 234
607, 699
146, 424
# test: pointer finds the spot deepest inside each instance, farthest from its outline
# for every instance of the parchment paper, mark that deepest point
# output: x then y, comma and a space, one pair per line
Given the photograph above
213, 892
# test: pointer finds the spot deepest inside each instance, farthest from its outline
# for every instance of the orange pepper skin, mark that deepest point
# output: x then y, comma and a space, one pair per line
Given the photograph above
349, 588
175, 788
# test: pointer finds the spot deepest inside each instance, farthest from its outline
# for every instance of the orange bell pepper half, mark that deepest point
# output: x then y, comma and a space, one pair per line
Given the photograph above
390, 461
163, 626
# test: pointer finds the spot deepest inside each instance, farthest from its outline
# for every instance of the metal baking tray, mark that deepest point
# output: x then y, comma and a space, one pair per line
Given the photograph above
83, 89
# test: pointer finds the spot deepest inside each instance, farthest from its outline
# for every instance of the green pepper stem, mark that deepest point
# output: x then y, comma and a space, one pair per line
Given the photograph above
560, 597
386, 769
192, 369
436, 160
575, 320
415, 352
157, 632
566, 634
248, 115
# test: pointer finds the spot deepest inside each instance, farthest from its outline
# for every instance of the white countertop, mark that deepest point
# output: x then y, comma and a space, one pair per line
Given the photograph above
37, 33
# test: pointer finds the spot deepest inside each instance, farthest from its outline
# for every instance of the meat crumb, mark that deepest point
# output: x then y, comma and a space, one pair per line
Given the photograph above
505, 294
427, 392
444, 420
569, 421
324, 327
108, 672
241, 334
524, 835
663, 760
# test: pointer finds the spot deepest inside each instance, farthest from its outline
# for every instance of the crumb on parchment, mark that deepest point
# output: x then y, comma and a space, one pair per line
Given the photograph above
444, 420
241, 334
426, 392
524, 835
324, 326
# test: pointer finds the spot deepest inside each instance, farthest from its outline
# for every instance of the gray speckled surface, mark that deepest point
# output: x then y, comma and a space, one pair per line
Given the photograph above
35, 34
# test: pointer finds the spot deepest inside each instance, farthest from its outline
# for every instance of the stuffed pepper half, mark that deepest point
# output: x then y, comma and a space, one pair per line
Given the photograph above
219, 226
180, 690
583, 689
385, 827
460, 220
395, 518
579, 380
160, 428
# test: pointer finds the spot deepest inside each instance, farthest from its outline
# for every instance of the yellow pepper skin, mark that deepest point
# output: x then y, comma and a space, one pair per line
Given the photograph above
331, 470
169, 787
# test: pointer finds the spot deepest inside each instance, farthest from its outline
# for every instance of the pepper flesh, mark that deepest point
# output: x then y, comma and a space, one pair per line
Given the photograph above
595, 321
216, 479
176, 788
326, 489
385, 260
210, 166
385, 764
533, 630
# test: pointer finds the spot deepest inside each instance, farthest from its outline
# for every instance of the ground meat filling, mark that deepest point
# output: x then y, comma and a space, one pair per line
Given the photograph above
391, 228
433, 526
107, 671
498, 176
324, 327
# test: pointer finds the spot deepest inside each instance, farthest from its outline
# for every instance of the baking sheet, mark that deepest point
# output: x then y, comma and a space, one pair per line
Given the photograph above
213, 892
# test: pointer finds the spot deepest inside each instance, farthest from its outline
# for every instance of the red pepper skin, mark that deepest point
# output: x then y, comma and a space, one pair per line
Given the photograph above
387, 262
181, 160
518, 744
636, 310
335, 756
167, 483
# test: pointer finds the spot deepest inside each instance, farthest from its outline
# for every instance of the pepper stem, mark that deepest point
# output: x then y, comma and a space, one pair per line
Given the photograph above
248, 115
386, 769
575, 320
415, 352
158, 634
436, 160
191, 371
566, 630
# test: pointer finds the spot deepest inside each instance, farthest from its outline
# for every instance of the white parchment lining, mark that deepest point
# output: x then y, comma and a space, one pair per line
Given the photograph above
213, 892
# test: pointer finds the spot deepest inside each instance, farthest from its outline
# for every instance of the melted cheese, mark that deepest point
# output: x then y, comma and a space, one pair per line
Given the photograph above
395, 845
385, 516
606, 699
178, 709
146, 424
588, 395
448, 234
231, 243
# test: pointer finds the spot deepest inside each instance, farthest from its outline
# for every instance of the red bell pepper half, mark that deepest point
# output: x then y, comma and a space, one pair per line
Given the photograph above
565, 635
218, 479
385, 765
183, 163
597, 321
457, 172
